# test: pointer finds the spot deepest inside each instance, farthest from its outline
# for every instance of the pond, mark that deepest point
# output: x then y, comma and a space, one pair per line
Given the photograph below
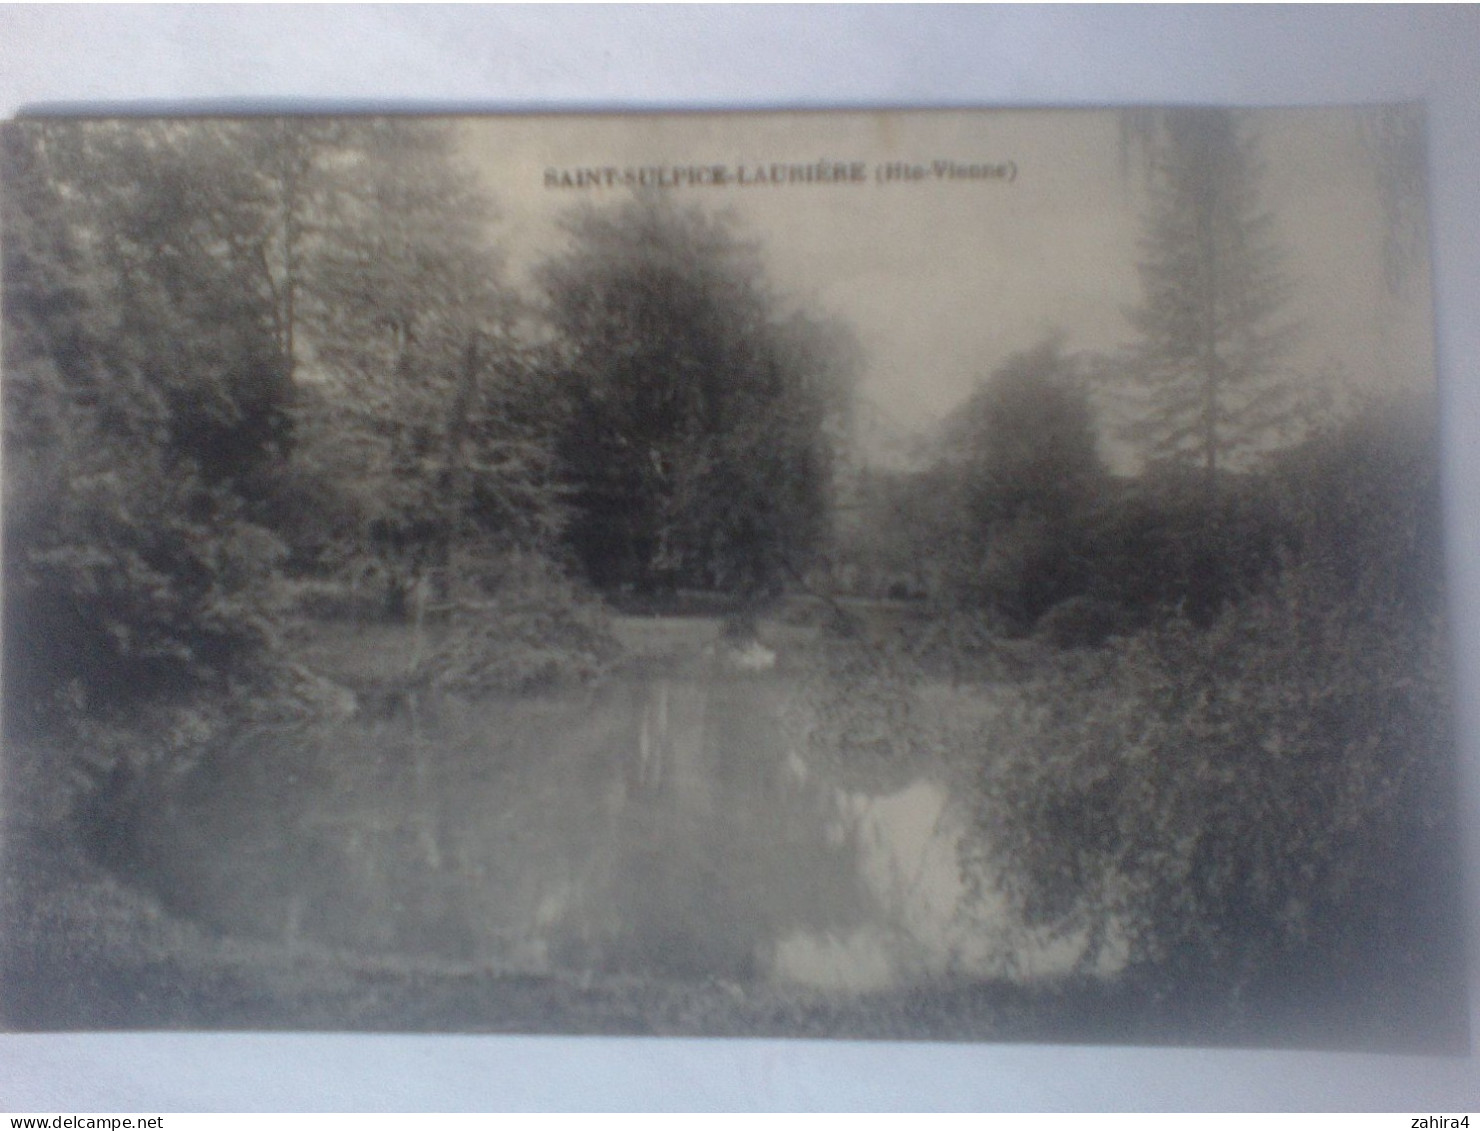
659, 826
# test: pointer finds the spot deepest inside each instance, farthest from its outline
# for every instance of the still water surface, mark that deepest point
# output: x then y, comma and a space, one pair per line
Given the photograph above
659, 827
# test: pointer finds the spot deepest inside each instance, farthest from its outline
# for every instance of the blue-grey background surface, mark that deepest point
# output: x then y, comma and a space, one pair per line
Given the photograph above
495, 58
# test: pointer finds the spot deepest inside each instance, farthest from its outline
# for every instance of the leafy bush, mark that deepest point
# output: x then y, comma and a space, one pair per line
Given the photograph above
539, 629
1231, 802
137, 586
132, 591
1160, 543
1023, 452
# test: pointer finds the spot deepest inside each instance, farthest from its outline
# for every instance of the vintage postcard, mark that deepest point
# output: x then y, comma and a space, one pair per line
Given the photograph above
967, 575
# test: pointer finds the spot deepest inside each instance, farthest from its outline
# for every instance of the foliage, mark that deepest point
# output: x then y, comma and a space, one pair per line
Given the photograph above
155, 211
235, 347
317, 304
1023, 451
125, 596
417, 422
1265, 796
132, 571
539, 630
1211, 326
428, 405
701, 420
1362, 499
890, 529
1159, 545
1025, 439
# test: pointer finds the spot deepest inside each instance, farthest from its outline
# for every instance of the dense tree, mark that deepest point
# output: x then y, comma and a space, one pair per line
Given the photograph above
132, 570
344, 271
421, 404
1026, 437
892, 528
1023, 452
1262, 806
1211, 321
702, 420
220, 335
164, 211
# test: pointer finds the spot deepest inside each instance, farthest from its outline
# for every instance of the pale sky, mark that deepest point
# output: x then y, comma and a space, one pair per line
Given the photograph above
943, 278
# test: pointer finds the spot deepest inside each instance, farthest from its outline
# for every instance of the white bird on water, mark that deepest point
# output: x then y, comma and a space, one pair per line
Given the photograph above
740, 648
754, 657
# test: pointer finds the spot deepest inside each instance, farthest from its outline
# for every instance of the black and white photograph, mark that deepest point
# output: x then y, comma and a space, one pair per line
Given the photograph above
960, 575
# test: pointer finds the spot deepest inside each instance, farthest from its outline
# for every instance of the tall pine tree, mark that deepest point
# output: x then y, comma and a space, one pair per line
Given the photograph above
1211, 320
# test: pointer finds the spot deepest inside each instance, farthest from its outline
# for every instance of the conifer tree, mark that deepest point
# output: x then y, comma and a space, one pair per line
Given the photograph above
1213, 334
